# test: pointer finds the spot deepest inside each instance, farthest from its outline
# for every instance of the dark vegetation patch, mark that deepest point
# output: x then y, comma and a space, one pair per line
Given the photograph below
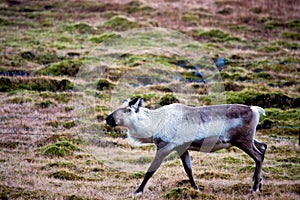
263, 99
44, 104
8, 84
104, 84
69, 67
283, 119
168, 99
42, 58
69, 124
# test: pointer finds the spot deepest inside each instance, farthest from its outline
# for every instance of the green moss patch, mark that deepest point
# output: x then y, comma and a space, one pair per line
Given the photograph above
61, 149
68, 67
263, 99
286, 120
214, 35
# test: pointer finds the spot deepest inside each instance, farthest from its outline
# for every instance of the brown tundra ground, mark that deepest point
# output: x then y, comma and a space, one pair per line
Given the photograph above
54, 144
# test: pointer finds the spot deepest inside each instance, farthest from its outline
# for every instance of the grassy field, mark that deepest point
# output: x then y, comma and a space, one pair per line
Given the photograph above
64, 65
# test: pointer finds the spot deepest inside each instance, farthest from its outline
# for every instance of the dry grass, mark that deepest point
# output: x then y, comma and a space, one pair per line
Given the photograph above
222, 175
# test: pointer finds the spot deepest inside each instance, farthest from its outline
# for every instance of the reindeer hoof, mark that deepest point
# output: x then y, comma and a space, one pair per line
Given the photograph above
254, 191
138, 193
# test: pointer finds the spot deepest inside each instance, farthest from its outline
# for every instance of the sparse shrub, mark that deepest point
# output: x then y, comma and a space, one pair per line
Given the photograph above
44, 104
186, 193
4, 22
294, 23
69, 124
291, 35
213, 175
6, 84
161, 88
40, 58
269, 48
225, 11
256, 10
141, 160
168, 99
65, 175
62, 97
19, 100
62, 164
232, 86
120, 23
190, 19
137, 6
145, 96
263, 75
104, 36
230, 160
214, 33
288, 45
54, 123
137, 175
83, 28
104, 84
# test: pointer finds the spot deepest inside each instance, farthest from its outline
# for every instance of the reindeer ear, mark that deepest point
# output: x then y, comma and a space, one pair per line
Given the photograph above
136, 103
131, 103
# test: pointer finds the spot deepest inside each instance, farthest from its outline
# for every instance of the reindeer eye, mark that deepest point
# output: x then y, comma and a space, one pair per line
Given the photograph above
128, 110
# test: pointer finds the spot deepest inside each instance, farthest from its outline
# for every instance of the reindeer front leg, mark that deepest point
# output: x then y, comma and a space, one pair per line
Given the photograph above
163, 149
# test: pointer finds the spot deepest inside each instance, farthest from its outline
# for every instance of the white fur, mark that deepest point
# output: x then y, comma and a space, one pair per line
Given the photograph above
170, 123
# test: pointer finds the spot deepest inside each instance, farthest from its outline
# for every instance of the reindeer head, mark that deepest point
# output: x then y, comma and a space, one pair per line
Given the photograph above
126, 114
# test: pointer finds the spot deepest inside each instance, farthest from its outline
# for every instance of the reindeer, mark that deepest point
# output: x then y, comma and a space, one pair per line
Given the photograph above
177, 127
